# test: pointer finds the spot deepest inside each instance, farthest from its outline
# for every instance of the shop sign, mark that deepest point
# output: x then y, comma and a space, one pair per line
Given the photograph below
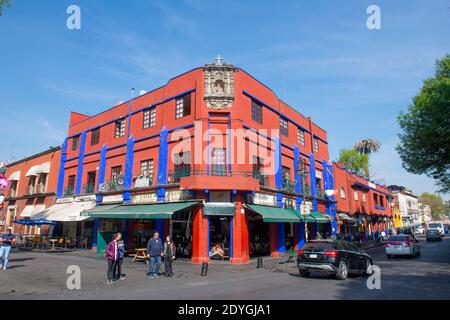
263, 199
289, 203
372, 185
113, 198
305, 208
319, 174
178, 195
64, 200
85, 198
144, 198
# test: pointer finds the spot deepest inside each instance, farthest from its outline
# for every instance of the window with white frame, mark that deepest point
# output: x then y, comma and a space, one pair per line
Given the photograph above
149, 118
316, 144
147, 169
284, 129
364, 198
342, 193
356, 195
120, 128
183, 106
301, 136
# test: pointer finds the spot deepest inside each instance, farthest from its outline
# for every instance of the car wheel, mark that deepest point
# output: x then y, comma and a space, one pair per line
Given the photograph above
304, 273
342, 272
368, 270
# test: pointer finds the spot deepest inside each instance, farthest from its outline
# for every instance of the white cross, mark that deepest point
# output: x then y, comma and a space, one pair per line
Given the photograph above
219, 60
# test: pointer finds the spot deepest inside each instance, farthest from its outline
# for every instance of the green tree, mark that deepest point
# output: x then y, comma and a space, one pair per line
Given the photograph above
367, 147
425, 138
3, 3
435, 202
354, 161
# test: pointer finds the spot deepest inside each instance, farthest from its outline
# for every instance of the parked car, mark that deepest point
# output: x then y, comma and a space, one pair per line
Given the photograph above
336, 257
437, 225
402, 244
433, 234
408, 231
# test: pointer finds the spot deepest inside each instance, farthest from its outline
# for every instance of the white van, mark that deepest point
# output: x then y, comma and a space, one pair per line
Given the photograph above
438, 225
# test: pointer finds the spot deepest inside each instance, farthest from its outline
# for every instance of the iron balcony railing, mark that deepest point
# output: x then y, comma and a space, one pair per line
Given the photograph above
320, 194
69, 191
89, 188
111, 186
263, 179
175, 175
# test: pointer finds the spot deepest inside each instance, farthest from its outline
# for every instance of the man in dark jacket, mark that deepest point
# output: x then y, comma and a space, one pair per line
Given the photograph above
155, 250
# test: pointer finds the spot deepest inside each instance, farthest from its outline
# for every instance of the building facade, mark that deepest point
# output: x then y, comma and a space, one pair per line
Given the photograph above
363, 206
408, 204
212, 158
32, 189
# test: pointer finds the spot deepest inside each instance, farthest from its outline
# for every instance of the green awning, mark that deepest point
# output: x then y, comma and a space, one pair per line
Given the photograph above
319, 217
345, 216
219, 209
275, 214
99, 209
141, 211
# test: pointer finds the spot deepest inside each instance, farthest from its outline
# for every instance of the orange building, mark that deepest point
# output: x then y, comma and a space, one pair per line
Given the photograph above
363, 206
214, 158
32, 190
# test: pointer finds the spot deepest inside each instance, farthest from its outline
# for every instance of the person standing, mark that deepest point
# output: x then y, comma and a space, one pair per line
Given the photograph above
112, 255
169, 255
118, 266
6, 241
155, 250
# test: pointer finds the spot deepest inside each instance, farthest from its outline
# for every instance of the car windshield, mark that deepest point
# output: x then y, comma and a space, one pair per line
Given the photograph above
319, 246
398, 238
434, 225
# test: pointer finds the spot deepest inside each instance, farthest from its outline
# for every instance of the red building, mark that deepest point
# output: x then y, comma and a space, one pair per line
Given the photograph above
32, 190
365, 202
213, 157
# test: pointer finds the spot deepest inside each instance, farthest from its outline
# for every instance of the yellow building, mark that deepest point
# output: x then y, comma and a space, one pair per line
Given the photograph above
397, 217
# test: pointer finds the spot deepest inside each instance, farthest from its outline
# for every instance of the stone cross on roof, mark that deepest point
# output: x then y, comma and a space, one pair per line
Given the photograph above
219, 60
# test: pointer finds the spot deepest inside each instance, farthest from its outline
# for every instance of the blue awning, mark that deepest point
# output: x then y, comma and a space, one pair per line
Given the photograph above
38, 222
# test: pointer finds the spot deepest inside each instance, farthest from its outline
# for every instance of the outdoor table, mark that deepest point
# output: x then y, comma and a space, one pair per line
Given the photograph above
141, 253
53, 243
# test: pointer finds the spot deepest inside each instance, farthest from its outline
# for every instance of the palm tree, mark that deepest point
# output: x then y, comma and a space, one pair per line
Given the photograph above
368, 147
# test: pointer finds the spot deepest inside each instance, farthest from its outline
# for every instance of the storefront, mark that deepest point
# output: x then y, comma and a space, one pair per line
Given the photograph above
348, 227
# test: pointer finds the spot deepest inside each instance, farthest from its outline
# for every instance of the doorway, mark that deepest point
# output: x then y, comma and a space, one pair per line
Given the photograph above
219, 237
258, 234
181, 232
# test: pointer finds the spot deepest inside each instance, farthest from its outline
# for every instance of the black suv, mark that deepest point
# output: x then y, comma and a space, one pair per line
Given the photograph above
333, 256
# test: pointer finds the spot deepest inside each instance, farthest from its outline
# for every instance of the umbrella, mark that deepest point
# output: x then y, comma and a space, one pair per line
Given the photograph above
36, 222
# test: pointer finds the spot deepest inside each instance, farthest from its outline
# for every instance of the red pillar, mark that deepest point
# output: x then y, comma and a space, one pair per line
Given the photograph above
199, 236
240, 237
273, 238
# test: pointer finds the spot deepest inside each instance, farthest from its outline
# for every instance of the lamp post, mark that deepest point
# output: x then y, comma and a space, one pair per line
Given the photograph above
302, 170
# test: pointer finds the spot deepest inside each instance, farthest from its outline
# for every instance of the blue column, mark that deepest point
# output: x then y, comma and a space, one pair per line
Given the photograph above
333, 198
80, 164
301, 235
94, 236
281, 238
298, 178
162, 164
160, 227
278, 171
129, 170
312, 177
101, 172
61, 172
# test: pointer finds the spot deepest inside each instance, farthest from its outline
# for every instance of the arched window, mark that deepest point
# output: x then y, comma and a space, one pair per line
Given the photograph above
342, 193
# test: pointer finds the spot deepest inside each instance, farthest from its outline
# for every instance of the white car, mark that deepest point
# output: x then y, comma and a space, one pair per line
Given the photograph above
402, 244
420, 230
438, 226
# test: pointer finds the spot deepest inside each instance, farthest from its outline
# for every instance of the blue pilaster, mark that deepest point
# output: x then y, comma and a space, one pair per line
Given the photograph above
79, 180
332, 198
95, 235
61, 172
162, 164
312, 177
278, 171
101, 172
300, 235
128, 170
281, 237
160, 228
298, 178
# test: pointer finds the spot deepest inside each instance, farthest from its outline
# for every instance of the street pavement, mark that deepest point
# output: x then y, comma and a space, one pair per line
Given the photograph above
43, 276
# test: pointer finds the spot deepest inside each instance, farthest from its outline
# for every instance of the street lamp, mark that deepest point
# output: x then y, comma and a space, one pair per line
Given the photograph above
302, 170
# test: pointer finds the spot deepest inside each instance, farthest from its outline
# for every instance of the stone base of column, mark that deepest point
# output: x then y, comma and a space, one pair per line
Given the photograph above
200, 259
245, 260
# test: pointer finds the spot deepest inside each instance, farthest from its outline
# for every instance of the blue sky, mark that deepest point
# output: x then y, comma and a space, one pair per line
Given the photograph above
318, 56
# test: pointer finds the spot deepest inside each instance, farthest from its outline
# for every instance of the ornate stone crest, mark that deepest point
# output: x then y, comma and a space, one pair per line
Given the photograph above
219, 85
